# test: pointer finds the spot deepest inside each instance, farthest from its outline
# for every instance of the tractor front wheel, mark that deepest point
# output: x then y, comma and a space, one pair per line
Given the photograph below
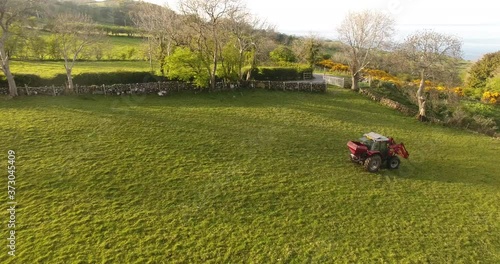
393, 163
354, 159
372, 164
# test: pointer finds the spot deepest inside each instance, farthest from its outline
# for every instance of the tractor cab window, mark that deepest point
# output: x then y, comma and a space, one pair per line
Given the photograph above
376, 146
384, 146
379, 146
367, 142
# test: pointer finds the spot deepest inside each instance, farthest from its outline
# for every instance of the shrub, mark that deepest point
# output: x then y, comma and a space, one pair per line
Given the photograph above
382, 76
477, 108
482, 70
383, 84
459, 91
115, 77
491, 97
493, 84
334, 66
473, 93
33, 80
474, 117
485, 125
458, 118
278, 73
282, 54
28, 79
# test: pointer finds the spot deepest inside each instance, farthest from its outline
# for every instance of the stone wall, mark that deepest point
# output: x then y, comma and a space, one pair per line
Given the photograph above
165, 88
388, 102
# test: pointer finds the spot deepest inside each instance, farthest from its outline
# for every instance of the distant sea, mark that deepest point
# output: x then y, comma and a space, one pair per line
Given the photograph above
474, 49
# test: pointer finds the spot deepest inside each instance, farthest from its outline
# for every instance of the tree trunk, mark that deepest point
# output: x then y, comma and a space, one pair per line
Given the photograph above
7, 72
212, 77
216, 54
355, 81
169, 51
162, 57
70, 88
10, 80
162, 66
249, 73
150, 54
214, 71
241, 54
421, 99
240, 65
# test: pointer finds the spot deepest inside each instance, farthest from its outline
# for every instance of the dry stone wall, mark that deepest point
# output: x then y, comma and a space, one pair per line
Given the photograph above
165, 88
388, 102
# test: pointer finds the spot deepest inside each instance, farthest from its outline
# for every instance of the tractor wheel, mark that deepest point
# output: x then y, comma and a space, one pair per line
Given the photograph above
393, 163
354, 158
372, 164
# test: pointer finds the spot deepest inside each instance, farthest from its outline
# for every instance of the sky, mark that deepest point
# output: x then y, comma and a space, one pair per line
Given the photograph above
476, 23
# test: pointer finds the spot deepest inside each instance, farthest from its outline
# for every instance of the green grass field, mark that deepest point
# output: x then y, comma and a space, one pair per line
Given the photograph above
257, 176
121, 47
49, 69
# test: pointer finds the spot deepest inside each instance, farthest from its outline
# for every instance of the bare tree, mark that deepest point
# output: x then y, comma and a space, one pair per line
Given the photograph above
12, 12
205, 17
307, 49
247, 31
161, 26
363, 32
74, 33
429, 52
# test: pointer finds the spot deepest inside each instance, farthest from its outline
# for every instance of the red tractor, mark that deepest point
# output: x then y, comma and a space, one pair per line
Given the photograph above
373, 150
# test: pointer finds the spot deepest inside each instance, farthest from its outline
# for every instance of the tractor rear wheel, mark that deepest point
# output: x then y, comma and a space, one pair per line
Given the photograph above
393, 163
372, 164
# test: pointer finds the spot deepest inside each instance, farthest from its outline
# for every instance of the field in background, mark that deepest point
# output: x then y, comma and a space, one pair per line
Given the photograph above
121, 54
125, 48
254, 175
49, 69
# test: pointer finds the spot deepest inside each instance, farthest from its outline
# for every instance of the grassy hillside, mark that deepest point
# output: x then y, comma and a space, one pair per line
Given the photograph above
49, 69
125, 48
254, 176
113, 48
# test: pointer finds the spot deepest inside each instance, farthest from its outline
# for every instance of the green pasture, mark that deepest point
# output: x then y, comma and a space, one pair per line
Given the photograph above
242, 177
50, 69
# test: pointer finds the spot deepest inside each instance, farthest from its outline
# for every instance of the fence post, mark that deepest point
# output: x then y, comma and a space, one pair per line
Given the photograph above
104, 89
54, 90
27, 90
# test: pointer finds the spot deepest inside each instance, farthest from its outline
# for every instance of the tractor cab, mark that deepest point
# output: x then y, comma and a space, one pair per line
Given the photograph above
376, 142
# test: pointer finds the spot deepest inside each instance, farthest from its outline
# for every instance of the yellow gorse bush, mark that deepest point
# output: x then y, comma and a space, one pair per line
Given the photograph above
459, 91
491, 97
430, 86
384, 76
334, 66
